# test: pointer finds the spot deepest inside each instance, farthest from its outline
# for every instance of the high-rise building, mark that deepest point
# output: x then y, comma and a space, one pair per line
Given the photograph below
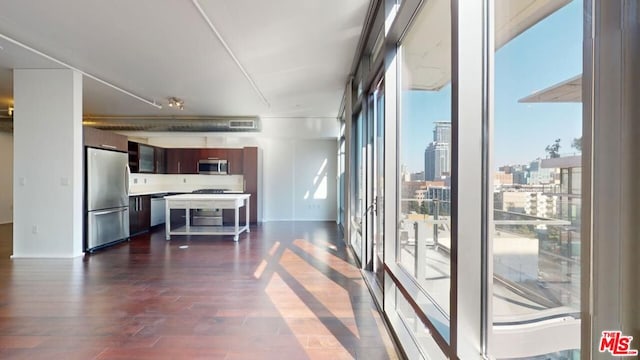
442, 132
437, 155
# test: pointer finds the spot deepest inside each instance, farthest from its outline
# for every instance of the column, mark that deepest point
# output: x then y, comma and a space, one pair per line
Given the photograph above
612, 216
48, 165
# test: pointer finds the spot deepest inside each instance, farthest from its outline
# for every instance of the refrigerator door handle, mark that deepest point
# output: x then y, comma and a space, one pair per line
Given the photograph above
127, 173
105, 212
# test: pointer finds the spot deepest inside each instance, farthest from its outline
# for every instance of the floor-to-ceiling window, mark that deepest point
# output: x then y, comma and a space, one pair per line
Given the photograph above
342, 146
423, 243
536, 179
378, 191
515, 100
374, 259
358, 206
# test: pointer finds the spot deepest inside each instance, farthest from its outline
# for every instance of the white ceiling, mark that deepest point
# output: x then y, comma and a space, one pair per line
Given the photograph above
297, 52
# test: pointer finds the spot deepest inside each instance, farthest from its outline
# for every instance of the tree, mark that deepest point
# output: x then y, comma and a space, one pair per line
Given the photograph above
424, 208
554, 149
577, 144
413, 206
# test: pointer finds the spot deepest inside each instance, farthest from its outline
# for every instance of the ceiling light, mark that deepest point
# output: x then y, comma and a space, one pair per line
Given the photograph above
10, 110
174, 102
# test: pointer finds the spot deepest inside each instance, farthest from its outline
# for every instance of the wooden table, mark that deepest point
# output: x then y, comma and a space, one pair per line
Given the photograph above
207, 201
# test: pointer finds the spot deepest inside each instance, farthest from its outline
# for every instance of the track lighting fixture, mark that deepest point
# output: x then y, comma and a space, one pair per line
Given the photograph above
174, 102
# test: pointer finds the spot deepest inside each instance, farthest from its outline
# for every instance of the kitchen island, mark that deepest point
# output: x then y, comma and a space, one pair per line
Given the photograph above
207, 201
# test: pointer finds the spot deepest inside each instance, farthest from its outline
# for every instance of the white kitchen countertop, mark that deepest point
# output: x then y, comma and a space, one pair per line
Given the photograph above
155, 192
207, 196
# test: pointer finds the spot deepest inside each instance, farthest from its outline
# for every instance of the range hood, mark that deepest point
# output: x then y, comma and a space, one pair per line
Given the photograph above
174, 123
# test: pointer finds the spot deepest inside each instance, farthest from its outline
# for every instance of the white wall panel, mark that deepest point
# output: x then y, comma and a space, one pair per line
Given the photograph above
315, 180
278, 180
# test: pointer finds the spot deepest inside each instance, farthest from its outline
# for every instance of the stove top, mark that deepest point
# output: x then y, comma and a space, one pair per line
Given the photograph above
209, 191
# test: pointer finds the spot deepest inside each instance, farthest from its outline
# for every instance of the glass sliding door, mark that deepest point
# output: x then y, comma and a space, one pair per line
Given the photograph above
378, 171
423, 245
375, 187
358, 184
536, 179
341, 172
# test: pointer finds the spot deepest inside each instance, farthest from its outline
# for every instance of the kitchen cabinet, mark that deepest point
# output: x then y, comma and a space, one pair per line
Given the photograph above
141, 158
160, 156
210, 153
146, 159
233, 157
235, 161
182, 161
133, 156
103, 139
250, 171
157, 211
139, 214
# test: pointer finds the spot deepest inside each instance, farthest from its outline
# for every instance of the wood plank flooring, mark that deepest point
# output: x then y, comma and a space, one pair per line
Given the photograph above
284, 291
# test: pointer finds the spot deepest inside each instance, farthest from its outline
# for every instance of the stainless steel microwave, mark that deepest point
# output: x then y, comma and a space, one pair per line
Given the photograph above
213, 167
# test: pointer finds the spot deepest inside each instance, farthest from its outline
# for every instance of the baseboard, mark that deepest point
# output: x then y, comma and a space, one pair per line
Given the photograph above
45, 256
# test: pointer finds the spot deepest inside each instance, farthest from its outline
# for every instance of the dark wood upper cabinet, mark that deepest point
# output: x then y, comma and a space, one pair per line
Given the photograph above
104, 139
185, 161
213, 154
182, 161
235, 161
189, 163
133, 156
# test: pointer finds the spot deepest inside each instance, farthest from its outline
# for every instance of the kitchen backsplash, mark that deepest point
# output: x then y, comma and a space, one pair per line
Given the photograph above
144, 183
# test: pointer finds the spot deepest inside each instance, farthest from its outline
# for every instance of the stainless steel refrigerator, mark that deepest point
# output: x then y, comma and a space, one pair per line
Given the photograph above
107, 197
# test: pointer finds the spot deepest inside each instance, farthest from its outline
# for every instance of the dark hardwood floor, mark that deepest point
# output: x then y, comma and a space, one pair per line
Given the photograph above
284, 291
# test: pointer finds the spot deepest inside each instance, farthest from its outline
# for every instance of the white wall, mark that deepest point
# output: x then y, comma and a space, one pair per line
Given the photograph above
299, 179
290, 157
48, 207
6, 178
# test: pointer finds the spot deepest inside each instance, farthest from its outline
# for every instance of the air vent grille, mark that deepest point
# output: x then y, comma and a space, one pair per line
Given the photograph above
242, 124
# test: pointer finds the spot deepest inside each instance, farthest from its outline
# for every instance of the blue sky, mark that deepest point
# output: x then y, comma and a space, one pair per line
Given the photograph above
544, 55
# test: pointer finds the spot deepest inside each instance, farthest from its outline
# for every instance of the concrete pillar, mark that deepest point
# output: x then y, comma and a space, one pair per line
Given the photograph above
48, 176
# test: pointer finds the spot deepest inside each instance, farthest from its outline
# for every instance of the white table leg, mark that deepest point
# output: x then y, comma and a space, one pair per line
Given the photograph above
188, 219
237, 214
247, 210
167, 223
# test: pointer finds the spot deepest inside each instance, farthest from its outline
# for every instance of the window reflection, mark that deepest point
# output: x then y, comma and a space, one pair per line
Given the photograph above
424, 234
536, 239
